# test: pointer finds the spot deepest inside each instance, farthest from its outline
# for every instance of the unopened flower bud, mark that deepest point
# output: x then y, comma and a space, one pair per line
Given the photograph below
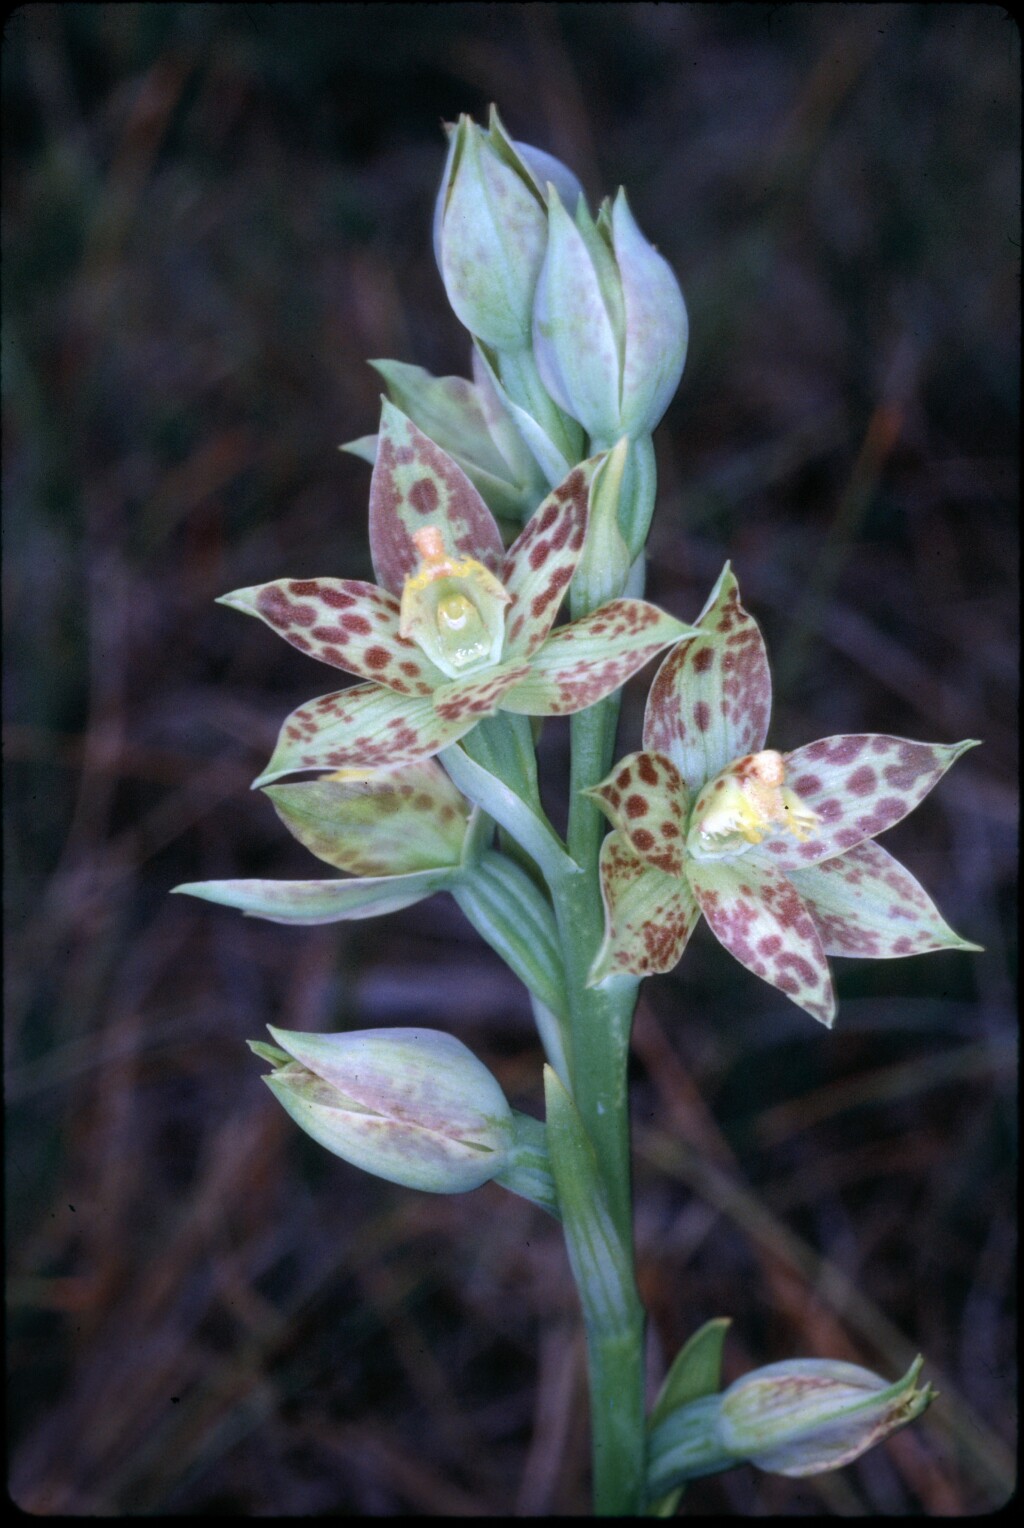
609, 322
805, 1416
800, 1417
410, 1105
490, 229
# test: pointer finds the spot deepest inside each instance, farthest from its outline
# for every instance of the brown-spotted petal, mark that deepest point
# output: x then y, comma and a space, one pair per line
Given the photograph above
865, 903
583, 662
541, 563
365, 727
649, 916
761, 919
345, 622
646, 798
712, 697
384, 822
480, 694
415, 485
858, 785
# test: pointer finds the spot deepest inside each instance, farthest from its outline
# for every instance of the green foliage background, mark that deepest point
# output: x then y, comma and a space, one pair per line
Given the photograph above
211, 216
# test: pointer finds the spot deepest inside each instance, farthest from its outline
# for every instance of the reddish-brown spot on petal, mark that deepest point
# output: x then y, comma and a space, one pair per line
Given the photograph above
423, 496
862, 782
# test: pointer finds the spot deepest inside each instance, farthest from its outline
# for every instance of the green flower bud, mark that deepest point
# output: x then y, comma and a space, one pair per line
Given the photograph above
609, 322
490, 229
805, 1416
800, 1417
410, 1105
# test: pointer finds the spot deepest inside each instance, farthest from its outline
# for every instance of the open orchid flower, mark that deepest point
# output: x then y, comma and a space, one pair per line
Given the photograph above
775, 849
459, 628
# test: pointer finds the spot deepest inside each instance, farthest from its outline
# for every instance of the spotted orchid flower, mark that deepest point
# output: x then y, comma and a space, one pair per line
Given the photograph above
398, 833
459, 628
775, 849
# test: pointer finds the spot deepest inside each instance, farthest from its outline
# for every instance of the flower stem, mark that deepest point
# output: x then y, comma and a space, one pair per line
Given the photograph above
600, 1022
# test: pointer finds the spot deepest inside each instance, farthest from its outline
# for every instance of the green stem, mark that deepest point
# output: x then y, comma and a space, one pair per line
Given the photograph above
600, 1021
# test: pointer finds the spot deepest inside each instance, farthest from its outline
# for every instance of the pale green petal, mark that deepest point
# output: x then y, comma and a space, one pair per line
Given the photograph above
385, 823
309, 902
865, 903
858, 785
365, 727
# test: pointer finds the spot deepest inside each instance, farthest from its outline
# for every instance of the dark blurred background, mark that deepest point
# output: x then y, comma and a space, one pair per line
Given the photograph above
212, 215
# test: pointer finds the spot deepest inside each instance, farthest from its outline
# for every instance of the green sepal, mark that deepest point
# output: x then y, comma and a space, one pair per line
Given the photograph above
548, 455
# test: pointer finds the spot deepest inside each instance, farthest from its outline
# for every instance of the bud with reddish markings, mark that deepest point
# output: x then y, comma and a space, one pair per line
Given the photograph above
410, 1105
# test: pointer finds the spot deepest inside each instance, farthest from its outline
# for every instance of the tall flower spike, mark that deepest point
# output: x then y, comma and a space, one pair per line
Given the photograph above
458, 629
774, 849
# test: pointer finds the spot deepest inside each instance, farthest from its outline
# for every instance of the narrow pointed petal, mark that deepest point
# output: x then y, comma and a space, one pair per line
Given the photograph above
344, 622
540, 564
583, 662
859, 785
415, 485
645, 797
761, 920
389, 822
648, 915
365, 727
711, 698
865, 903
310, 902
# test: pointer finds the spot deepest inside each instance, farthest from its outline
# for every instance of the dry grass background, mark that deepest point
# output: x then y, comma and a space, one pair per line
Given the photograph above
212, 215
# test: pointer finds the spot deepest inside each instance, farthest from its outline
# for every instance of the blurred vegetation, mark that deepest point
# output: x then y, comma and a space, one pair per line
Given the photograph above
212, 215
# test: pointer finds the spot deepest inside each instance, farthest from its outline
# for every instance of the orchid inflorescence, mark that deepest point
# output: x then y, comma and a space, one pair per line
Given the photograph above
492, 501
